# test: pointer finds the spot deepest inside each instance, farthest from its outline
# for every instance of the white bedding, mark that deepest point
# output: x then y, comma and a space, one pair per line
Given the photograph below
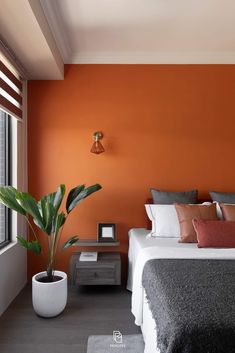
142, 249
148, 329
138, 240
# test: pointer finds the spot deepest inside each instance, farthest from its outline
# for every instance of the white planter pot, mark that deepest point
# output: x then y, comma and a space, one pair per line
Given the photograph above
49, 299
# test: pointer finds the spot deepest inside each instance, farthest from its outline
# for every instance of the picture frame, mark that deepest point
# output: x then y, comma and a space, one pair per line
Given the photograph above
106, 232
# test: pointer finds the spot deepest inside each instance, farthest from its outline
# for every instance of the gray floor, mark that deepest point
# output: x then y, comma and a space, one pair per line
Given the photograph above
90, 311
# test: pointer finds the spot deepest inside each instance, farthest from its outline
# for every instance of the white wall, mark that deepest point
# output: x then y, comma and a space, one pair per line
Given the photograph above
13, 258
13, 267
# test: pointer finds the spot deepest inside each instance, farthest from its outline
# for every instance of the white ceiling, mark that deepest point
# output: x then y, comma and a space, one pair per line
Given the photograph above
143, 31
44, 34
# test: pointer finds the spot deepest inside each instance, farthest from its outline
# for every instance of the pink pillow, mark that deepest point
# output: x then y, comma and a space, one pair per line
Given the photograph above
186, 213
228, 211
215, 234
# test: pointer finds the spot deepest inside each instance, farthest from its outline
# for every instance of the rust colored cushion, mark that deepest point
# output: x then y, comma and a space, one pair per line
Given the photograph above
215, 234
228, 211
186, 213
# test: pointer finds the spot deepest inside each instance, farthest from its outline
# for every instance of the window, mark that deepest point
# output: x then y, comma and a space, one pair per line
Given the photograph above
12, 140
5, 176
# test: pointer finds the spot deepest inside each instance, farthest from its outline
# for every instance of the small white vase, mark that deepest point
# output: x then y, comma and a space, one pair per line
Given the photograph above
49, 299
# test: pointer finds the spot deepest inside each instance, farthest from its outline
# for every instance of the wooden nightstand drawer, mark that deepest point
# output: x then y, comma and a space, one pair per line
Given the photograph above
105, 271
96, 275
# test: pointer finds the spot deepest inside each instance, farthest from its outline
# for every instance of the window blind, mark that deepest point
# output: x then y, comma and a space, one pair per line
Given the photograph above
5, 162
11, 90
2, 175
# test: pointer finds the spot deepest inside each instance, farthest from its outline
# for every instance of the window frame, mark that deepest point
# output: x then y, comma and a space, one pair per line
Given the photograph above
8, 179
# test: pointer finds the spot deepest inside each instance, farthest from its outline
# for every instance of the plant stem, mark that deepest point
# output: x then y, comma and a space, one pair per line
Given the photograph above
31, 227
49, 265
56, 244
50, 274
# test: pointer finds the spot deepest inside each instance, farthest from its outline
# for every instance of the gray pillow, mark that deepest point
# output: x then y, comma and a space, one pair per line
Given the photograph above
170, 197
226, 197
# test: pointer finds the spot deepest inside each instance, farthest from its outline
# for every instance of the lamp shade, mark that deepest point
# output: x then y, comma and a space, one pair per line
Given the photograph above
97, 147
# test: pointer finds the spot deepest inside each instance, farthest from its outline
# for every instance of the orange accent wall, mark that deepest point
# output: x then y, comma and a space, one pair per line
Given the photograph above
165, 126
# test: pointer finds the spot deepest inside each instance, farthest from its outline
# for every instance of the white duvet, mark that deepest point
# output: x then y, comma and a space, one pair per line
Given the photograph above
162, 248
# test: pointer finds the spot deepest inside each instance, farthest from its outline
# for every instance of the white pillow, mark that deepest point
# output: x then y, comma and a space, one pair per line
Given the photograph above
164, 220
218, 209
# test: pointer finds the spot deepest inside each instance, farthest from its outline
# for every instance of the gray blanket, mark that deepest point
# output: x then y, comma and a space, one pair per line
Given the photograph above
193, 304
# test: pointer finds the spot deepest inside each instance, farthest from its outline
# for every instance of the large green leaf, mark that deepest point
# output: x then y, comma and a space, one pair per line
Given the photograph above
8, 198
55, 198
70, 242
34, 245
50, 197
49, 206
60, 220
72, 195
29, 204
78, 194
47, 211
59, 195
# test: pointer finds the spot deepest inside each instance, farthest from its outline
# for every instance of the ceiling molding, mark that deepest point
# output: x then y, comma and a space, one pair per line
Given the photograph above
31, 40
42, 22
55, 22
154, 58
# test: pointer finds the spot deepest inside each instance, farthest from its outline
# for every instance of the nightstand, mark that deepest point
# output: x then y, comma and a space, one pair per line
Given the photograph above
105, 271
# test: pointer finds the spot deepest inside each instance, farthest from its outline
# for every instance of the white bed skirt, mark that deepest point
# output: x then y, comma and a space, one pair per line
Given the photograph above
148, 329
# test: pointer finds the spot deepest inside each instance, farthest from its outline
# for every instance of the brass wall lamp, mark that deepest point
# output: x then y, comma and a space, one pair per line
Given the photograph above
97, 146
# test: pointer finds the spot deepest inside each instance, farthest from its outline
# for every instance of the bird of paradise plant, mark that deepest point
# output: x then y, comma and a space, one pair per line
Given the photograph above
46, 215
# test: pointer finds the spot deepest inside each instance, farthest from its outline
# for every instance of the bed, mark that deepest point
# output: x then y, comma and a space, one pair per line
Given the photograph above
142, 250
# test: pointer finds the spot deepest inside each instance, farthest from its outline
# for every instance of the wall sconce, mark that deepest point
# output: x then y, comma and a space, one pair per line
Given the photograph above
97, 147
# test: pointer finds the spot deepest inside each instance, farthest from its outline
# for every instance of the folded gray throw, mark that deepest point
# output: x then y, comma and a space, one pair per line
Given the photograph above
193, 304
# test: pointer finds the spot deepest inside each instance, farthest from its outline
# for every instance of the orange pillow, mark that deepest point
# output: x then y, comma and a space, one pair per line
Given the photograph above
186, 213
228, 211
215, 234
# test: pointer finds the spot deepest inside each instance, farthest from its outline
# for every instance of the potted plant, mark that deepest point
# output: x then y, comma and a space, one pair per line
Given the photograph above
49, 288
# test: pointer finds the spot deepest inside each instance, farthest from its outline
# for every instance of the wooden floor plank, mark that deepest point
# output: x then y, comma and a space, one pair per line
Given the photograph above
91, 310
